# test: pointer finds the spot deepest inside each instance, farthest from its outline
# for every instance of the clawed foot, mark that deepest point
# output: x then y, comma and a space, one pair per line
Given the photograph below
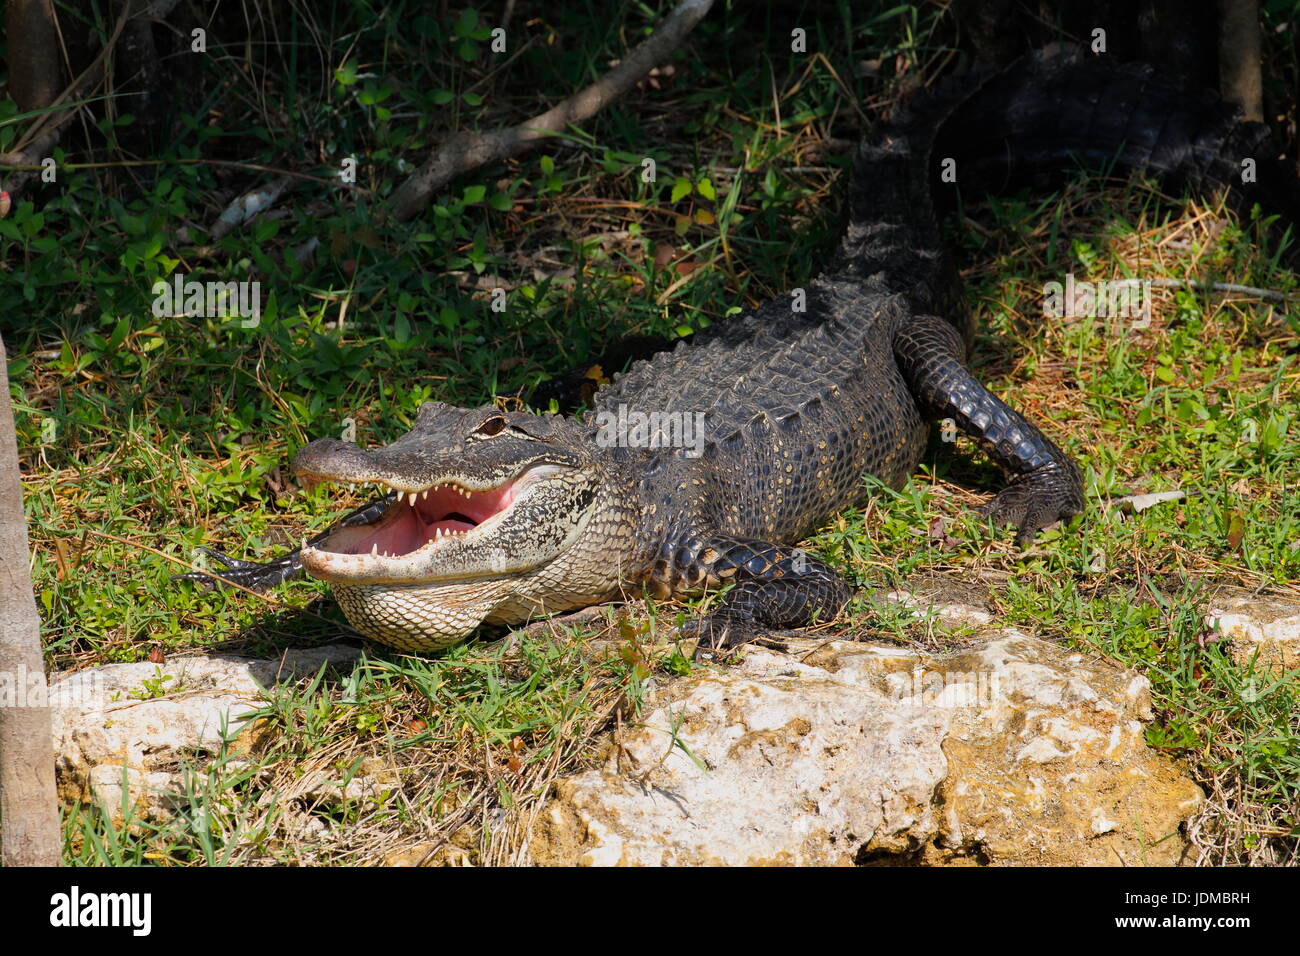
1037, 499
248, 574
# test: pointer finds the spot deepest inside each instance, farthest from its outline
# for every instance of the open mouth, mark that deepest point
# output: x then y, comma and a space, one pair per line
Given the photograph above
415, 518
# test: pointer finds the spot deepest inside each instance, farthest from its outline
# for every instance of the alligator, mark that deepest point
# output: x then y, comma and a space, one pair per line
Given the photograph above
492, 517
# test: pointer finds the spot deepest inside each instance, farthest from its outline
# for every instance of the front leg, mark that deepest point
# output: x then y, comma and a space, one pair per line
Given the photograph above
776, 587
1045, 483
263, 577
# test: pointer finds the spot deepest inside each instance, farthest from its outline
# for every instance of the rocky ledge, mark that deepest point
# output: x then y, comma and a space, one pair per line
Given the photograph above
1010, 751
1001, 748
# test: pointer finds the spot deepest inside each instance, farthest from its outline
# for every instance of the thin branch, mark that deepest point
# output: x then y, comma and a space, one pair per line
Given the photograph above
466, 151
197, 161
1272, 294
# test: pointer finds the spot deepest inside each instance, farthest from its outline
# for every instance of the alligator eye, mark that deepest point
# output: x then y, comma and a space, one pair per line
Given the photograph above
490, 427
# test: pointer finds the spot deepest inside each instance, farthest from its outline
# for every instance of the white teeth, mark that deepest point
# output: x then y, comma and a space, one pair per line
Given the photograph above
374, 550
410, 496
424, 494
448, 486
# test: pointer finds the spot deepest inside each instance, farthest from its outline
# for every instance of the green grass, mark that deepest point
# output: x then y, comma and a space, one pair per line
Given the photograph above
144, 437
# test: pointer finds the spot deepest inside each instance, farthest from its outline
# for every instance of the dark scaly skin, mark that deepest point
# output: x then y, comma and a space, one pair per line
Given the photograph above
797, 405
1044, 483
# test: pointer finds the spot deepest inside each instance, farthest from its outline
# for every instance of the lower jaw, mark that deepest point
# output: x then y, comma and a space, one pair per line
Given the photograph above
344, 569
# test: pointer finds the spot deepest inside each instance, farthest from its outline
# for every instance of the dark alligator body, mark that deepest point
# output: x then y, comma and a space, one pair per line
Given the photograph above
498, 516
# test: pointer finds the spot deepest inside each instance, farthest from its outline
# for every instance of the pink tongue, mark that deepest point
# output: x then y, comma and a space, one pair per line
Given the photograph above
414, 527
407, 534
400, 536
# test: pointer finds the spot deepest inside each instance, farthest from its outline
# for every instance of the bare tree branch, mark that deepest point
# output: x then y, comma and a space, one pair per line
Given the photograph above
466, 151
29, 817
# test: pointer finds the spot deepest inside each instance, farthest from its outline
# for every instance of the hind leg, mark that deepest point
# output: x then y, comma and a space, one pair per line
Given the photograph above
1045, 485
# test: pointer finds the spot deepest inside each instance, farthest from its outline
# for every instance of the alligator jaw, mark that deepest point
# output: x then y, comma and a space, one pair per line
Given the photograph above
417, 528
484, 518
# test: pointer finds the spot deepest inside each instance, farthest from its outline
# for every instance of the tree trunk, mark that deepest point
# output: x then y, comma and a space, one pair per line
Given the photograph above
29, 817
33, 53
1239, 68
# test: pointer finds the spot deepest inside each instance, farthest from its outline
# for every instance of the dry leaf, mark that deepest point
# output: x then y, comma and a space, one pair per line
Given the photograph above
1236, 531
1135, 503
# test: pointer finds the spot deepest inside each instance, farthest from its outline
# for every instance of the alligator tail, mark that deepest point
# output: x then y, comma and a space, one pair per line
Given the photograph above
1050, 110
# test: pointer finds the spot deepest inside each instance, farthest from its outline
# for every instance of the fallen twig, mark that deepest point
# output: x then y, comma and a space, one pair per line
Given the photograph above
248, 206
1222, 287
